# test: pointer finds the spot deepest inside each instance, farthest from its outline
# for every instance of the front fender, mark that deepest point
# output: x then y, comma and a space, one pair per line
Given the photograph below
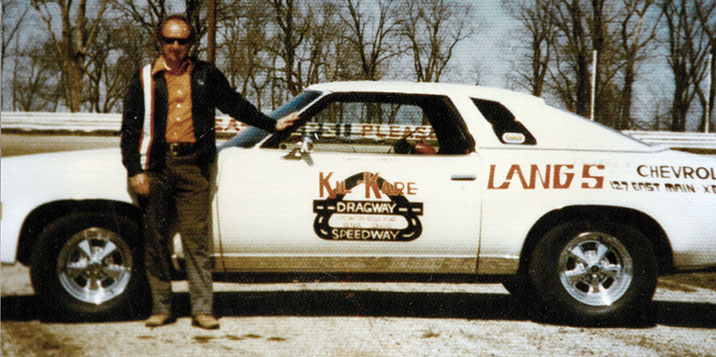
32, 181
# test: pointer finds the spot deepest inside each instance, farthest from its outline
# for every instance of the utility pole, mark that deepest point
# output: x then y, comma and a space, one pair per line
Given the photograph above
712, 87
594, 84
211, 35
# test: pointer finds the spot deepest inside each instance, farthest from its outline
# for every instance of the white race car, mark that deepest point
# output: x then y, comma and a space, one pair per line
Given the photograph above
385, 180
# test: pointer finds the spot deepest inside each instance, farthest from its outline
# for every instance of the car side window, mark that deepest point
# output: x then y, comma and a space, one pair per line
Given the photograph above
507, 129
379, 124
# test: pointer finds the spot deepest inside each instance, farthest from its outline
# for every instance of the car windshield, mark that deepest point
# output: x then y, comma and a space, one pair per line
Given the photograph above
251, 135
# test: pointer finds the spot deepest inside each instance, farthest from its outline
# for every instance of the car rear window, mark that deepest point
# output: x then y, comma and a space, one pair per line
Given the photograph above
507, 129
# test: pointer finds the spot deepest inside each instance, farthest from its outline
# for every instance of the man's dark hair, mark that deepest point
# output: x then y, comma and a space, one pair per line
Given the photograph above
180, 17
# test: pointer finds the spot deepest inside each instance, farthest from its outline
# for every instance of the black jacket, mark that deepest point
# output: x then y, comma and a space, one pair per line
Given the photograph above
209, 90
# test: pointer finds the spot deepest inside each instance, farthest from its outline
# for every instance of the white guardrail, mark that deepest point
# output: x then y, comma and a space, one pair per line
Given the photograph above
111, 123
84, 122
681, 140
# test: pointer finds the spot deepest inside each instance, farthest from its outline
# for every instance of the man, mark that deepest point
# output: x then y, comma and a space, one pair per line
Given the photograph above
168, 143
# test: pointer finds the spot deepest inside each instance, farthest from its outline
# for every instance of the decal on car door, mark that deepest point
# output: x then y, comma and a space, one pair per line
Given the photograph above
701, 175
370, 220
557, 176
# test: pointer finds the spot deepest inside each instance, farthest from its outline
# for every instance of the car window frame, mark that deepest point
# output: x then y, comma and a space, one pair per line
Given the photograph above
502, 121
250, 136
451, 113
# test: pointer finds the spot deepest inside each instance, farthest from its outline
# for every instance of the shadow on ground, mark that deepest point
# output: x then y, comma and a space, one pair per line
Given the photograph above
374, 304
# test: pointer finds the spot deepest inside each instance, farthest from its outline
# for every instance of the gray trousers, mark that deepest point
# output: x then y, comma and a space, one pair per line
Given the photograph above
181, 188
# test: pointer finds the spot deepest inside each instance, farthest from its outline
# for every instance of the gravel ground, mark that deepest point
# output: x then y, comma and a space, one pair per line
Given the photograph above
363, 319
349, 319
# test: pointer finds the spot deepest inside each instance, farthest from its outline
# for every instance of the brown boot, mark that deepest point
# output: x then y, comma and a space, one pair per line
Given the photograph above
157, 320
205, 321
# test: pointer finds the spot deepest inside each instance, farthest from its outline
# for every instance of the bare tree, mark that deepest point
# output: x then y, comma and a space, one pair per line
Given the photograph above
36, 79
537, 25
599, 34
706, 15
245, 47
96, 67
11, 24
638, 29
570, 77
372, 38
584, 26
111, 65
563, 35
77, 35
197, 15
319, 57
688, 46
146, 15
328, 53
433, 28
211, 31
10, 28
293, 28
246, 51
302, 40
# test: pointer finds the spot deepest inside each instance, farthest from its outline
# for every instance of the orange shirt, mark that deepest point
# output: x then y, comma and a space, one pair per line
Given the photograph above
180, 128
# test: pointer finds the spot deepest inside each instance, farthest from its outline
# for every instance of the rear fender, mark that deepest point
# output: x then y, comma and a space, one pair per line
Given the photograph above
643, 222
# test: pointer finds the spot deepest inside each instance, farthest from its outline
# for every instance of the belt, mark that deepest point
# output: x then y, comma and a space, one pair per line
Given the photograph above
180, 149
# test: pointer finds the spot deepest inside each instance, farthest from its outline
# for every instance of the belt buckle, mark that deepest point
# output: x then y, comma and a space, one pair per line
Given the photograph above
174, 149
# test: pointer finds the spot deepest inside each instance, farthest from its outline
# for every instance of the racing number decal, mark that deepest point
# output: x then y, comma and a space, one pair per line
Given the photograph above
375, 185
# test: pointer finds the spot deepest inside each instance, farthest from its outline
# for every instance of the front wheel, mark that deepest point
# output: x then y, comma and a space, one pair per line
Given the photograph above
594, 273
89, 266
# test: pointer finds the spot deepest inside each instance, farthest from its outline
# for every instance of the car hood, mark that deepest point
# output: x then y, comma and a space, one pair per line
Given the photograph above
87, 174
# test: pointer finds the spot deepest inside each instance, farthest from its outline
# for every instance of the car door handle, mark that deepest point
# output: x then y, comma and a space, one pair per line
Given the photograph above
463, 177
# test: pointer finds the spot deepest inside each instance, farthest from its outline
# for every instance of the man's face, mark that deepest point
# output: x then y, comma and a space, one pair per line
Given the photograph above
173, 33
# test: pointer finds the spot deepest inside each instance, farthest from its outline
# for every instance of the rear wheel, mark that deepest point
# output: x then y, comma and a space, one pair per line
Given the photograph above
594, 273
89, 266
518, 286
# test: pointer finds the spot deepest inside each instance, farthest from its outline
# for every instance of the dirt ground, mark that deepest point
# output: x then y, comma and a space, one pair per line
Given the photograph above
363, 319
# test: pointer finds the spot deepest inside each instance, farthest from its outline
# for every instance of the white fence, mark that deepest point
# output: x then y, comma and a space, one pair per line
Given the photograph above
676, 139
94, 122
85, 122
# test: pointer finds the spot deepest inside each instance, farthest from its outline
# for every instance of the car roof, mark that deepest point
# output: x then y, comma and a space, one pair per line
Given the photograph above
497, 94
553, 127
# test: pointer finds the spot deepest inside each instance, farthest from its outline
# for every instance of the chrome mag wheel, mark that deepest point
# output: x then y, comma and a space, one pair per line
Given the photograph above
595, 268
95, 265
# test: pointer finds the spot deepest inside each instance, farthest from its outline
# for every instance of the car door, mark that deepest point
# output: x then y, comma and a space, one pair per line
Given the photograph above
366, 182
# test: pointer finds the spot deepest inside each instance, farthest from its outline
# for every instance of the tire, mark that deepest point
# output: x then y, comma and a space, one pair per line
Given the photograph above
519, 287
89, 266
594, 273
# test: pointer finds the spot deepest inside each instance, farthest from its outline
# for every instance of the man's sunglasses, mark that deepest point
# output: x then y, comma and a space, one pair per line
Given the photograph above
181, 41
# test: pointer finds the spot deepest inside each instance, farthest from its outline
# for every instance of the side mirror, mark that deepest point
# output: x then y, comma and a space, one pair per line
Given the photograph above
302, 150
